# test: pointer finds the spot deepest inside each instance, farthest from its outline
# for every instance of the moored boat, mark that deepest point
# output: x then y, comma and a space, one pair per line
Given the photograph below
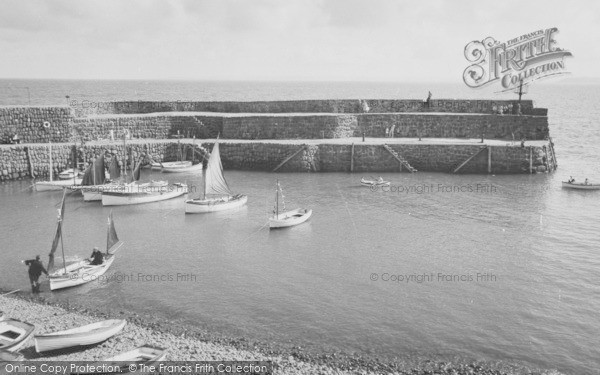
580, 185
287, 218
182, 167
379, 182
81, 336
69, 174
216, 186
55, 185
142, 193
14, 334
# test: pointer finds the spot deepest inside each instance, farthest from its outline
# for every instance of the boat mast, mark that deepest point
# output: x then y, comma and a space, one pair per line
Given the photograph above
51, 169
277, 201
75, 172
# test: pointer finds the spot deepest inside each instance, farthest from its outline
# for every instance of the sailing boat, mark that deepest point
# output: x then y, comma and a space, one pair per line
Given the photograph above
135, 193
182, 165
94, 180
215, 185
83, 271
58, 184
287, 218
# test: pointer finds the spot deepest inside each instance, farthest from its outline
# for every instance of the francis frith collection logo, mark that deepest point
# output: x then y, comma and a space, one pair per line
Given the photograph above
520, 60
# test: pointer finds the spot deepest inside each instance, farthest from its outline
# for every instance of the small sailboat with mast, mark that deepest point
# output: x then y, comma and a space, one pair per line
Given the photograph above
182, 166
286, 218
216, 195
82, 271
52, 184
133, 192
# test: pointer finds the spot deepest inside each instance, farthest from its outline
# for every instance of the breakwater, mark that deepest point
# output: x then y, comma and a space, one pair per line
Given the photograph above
261, 135
344, 155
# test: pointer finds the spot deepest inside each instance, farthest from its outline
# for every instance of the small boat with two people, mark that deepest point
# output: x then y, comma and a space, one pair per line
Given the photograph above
86, 270
374, 182
216, 186
585, 185
81, 336
286, 218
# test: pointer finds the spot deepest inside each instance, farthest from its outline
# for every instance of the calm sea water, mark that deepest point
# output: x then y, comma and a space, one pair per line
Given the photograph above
313, 284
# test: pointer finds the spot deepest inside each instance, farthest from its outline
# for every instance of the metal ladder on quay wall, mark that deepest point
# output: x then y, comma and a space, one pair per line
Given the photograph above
400, 159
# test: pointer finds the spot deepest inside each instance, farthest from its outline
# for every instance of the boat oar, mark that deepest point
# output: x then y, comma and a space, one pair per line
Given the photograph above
6, 294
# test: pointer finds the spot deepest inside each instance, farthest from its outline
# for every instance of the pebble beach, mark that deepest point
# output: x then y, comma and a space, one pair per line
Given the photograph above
189, 344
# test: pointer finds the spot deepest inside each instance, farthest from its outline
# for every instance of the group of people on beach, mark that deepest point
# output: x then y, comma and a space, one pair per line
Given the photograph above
36, 268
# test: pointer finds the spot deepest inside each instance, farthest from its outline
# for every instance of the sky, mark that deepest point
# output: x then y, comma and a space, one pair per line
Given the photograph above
281, 40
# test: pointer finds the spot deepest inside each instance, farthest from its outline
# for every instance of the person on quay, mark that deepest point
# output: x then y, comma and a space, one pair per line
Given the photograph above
36, 268
97, 257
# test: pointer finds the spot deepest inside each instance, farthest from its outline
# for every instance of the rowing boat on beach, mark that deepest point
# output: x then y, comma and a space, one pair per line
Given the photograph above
14, 334
580, 186
6, 356
145, 354
81, 336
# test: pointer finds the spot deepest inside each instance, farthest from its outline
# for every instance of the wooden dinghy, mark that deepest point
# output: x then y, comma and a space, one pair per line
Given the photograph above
580, 186
287, 218
14, 334
378, 182
182, 167
145, 353
82, 336
290, 218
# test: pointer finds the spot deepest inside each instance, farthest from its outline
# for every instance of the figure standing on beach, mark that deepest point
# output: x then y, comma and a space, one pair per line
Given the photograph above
392, 131
35, 271
387, 132
428, 101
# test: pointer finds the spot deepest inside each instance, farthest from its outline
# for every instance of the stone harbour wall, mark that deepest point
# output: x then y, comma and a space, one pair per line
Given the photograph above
35, 124
18, 161
146, 127
86, 108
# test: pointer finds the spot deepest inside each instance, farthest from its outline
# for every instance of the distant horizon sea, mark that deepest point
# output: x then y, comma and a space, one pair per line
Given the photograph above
347, 280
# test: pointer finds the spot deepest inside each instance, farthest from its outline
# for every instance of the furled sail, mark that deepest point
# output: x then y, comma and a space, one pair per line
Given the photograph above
99, 171
58, 235
88, 179
137, 171
112, 240
113, 168
214, 179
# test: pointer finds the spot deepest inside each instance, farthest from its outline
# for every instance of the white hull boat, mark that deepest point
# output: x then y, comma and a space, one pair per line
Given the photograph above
290, 218
94, 192
580, 186
146, 354
14, 334
216, 186
79, 273
143, 194
182, 168
82, 336
379, 182
56, 185
69, 174
194, 206
83, 271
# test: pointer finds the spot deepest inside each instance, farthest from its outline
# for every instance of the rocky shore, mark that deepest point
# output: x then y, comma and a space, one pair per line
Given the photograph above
186, 343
